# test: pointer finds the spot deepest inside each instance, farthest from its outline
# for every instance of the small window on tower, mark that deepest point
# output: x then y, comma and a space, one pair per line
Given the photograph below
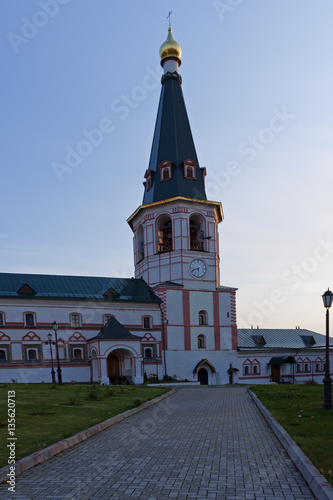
166, 174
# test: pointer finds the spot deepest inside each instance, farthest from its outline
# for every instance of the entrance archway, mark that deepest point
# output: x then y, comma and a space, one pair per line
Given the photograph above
203, 376
113, 365
275, 373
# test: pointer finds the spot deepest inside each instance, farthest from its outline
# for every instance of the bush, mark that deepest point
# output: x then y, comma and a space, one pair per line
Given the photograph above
137, 401
310, 382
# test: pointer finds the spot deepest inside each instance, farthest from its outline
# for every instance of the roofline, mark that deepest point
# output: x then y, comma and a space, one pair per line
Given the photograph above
263, 349
217, 204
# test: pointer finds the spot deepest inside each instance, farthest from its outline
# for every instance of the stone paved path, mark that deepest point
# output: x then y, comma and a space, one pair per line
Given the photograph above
199, 443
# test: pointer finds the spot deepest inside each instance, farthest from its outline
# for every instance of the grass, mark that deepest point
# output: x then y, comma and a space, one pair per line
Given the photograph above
298, 409
47, 413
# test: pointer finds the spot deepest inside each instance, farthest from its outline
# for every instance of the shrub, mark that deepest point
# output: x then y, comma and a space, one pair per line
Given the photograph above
137, 401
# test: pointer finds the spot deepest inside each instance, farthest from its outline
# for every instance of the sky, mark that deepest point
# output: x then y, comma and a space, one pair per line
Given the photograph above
80, 88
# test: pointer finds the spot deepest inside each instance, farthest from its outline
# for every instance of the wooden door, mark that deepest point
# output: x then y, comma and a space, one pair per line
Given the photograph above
275, 373
113, 366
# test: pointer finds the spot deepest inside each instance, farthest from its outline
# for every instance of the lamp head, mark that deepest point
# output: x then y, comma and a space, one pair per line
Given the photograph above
49, 336
55, 326
327, 298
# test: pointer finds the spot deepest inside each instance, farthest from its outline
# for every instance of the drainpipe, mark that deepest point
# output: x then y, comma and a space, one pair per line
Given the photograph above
163, 339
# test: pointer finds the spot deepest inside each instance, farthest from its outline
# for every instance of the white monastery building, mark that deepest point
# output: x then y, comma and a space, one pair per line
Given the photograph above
174, 318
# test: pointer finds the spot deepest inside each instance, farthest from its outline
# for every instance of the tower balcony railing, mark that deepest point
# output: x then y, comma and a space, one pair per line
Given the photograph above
197, 245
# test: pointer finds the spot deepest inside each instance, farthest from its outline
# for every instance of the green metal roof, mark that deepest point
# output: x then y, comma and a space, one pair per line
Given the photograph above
280, 360
76, 288
279, 339
113, 330
173, 142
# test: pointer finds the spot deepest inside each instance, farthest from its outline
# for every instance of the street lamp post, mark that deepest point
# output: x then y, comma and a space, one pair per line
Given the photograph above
327, 299
51, 343
55, 328
90, 364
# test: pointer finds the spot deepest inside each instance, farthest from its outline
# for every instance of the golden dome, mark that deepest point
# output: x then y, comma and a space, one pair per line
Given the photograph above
170, 48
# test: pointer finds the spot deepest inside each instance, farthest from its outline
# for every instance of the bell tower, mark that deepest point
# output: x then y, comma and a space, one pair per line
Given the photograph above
176, 227
176, 242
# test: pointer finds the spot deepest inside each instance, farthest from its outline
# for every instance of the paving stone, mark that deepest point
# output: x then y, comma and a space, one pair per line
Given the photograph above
202, 443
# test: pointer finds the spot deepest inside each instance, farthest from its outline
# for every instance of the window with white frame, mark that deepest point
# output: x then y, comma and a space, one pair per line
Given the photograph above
32, 353
5, 353
317, 367
203, 318
298, 367
146, 322
306, 367
149, 352
29, 319
247, 370
75, 321
166, 173
201, 341
77, 352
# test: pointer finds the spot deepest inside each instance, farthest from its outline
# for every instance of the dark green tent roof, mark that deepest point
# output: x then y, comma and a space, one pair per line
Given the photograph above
173, 142
43, 286
113, 330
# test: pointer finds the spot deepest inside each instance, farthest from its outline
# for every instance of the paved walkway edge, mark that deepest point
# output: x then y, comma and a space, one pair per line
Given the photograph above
321, 488
41, 456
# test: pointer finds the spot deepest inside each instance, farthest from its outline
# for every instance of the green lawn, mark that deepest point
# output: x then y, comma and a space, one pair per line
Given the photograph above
46, 414
298, 409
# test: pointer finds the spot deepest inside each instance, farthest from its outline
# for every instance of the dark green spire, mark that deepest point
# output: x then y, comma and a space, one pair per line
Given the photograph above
173, 142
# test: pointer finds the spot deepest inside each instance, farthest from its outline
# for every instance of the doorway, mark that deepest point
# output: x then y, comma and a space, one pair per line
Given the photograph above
203, 376
275, 373
113, 366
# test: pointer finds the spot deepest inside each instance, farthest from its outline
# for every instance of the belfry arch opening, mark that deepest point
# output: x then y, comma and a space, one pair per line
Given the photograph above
197, 233
164, 234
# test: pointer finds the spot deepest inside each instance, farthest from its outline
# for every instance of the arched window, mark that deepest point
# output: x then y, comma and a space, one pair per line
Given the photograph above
306, 367
190, 172
246, 370
164, 233
146, 320
166, 174
77, 354
140, 243
75, 321
148, 352
298, 367
197, 233
317, 367
201, 341
29, 320
32, 354
2, 321
203, 318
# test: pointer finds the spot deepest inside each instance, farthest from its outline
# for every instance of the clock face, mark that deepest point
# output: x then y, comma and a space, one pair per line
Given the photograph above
198, 268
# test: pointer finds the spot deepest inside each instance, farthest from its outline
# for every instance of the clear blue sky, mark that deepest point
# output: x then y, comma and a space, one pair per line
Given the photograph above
258, 85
